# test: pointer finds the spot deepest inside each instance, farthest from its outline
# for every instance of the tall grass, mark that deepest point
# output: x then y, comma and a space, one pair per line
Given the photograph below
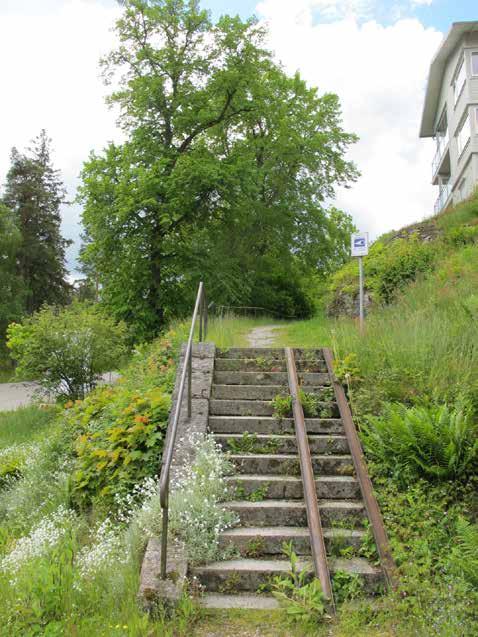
24, 424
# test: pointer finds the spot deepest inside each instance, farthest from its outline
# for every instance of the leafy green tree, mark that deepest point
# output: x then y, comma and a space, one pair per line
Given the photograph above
34, 193
226, 166
67, 350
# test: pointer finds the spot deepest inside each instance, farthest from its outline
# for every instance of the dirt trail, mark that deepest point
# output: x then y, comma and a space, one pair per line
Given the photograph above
262, 336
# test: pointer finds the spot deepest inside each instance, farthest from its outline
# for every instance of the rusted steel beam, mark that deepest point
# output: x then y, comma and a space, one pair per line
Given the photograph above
380, 535
317, 543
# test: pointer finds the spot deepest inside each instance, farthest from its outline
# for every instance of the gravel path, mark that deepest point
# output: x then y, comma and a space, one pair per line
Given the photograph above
262, 336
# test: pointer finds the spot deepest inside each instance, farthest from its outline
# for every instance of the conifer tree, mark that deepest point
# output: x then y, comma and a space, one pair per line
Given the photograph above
34, 193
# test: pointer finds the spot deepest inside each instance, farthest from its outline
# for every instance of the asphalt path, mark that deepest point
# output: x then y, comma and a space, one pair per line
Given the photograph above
14, 395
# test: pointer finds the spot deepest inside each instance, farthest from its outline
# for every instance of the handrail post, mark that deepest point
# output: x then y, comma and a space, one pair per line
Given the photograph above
164, 541
190, 381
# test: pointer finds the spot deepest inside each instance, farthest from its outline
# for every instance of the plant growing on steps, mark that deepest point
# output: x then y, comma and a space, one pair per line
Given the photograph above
301, 596
346, 586
282, 406
250, 443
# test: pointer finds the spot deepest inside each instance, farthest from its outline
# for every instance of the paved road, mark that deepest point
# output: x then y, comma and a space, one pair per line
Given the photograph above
14, 395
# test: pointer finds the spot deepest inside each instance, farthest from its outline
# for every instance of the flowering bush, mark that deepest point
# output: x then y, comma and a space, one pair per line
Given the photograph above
197, 516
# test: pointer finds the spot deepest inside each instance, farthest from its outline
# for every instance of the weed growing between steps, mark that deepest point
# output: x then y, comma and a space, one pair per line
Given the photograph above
300, 595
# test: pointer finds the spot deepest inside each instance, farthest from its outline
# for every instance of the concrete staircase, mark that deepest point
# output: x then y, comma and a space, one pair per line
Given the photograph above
267, 486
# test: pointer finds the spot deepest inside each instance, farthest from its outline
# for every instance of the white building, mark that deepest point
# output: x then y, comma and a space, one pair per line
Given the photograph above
450, 114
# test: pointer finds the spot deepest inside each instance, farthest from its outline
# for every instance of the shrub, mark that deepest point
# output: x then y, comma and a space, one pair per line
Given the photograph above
121, 443
434, 442
67, 350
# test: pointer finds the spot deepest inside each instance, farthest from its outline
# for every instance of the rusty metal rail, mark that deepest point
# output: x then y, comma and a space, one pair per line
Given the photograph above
186, 375
370, 501
317, 543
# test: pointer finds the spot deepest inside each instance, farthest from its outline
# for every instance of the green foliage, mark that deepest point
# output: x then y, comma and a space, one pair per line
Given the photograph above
25, 424
282, 406
11, 284
464, 556
67, 350
121, 440
299, 594
346, 586
226, 163
251, 443
34, 193
389, 268
436, 441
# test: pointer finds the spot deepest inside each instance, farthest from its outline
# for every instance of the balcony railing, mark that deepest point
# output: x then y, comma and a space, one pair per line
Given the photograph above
445, 192
442, 144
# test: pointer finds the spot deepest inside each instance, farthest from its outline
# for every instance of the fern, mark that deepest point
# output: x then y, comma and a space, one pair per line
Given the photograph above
435, 442
464, 556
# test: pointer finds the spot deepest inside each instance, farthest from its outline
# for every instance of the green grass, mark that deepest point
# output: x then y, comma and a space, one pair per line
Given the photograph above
25, 424
316, 332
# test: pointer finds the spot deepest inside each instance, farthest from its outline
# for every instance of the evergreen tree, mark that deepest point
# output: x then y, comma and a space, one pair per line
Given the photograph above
34, 193
11, 284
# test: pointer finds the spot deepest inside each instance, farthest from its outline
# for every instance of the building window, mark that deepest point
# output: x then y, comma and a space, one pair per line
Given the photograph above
463, 135
474, 63
460, 79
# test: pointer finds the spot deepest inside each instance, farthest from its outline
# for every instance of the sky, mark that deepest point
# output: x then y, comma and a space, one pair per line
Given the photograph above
375, 54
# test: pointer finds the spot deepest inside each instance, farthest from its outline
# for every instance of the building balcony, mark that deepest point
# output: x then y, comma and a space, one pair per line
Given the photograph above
441, 161
443, 197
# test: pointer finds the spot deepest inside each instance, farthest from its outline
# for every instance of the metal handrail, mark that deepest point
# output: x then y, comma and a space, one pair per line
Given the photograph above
316, 533
186, 375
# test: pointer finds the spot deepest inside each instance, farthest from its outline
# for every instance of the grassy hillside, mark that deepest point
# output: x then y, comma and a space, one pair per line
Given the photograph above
412, 380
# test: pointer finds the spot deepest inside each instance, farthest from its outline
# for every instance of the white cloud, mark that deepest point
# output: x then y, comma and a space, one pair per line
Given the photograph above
50, 77
379, 73
51, 80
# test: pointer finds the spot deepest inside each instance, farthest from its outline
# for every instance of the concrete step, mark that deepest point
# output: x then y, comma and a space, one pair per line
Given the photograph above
219, 407
260, 443
272, 365
265, 392
268, 352
241, 601
233, 576
270, 425
264, 487
288, 464
268, 378
257, 542
251, 352
292, 513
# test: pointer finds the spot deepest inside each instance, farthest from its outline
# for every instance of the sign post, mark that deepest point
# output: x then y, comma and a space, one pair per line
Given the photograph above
359, 249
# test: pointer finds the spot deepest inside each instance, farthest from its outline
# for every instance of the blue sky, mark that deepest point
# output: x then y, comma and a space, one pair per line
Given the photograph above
374, 54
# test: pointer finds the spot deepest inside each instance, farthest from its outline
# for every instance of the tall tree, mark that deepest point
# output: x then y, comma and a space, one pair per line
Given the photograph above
11, 284
34, 193
227, 162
